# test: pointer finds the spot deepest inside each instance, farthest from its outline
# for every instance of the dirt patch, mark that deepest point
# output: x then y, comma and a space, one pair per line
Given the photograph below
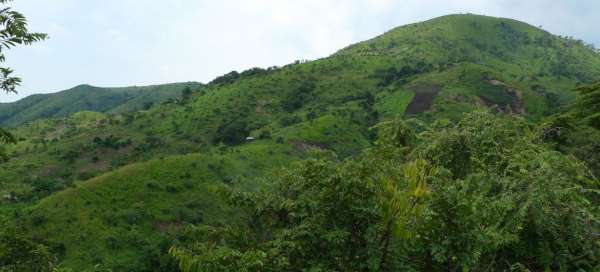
424, 96
304, 146
168, 226
515, 102
496, 82
260, 106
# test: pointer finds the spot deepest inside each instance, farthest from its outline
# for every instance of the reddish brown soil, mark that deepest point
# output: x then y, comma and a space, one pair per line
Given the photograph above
424, 96
168, 226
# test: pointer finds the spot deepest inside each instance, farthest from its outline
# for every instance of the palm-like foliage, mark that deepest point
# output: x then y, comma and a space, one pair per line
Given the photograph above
13, 32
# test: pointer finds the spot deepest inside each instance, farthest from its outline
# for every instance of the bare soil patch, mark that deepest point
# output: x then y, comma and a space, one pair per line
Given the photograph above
516, 98
424, 96
304, 146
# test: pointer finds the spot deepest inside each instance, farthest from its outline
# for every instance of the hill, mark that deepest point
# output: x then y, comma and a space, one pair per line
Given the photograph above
125, 180
88, 98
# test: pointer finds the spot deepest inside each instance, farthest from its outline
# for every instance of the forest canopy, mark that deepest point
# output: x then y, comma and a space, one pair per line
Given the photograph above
483, 194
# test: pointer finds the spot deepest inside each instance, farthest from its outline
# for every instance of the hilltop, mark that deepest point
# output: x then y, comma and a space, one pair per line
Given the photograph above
117, 188
89, 98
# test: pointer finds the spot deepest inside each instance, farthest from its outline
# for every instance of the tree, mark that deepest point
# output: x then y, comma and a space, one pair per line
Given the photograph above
19, 253
576, 130
300, 93
232, 132
5, 138
186, 94
587, 106
13, 32
483, 194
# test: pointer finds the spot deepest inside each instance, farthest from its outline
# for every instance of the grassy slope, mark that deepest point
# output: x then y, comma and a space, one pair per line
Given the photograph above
519, 54
124, 217
459, 54
85, 97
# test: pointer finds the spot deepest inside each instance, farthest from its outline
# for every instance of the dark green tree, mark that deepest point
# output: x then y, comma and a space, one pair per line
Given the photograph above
484, 194
19, 253
576, 130
186, 94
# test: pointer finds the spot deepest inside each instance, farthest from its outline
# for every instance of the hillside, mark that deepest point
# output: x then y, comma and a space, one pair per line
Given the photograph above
130, 182
88, 98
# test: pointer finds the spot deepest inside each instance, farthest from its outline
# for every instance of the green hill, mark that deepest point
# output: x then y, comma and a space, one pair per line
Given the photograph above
118, 189
88, 98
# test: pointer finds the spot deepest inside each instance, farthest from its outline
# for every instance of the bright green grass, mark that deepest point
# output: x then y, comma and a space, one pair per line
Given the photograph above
394, 103
462, 54
116, 218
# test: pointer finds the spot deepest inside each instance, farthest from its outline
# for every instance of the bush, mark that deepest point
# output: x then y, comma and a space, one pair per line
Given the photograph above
228, 78
172, 188
154, 185
298, 95
112, 242
265, 134
288, 120
133, 216
86, 175
484, 194
38, 220
232, 133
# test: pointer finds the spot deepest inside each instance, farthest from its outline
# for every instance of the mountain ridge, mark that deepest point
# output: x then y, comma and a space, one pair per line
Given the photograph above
176, 154
85, 97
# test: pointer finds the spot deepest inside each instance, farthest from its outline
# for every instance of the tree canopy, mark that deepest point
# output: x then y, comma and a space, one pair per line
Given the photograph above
484, 194
13, 32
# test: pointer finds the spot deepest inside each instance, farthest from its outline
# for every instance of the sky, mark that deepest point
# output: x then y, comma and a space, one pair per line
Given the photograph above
112, 43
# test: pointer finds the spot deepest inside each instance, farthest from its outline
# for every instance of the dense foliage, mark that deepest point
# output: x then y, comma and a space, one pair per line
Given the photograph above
19, 253
576, 130
485, 194
117, 187
13, 32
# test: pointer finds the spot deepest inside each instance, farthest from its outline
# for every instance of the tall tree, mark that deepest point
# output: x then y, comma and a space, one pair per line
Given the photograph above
13, 32
19, 253
483, 194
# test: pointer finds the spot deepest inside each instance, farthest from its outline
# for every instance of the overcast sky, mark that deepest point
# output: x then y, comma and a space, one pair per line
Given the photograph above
141, 42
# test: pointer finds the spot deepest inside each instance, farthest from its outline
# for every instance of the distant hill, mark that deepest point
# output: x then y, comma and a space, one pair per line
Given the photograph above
115, 189
88, 98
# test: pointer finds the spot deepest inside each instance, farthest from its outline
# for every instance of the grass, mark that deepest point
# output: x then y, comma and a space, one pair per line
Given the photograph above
117, 218
123, 206
391, 104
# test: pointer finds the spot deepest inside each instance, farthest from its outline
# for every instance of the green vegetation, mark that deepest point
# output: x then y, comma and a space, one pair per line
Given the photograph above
13, 32
484, 194
90, 98
443, 145
577, 130
20, 253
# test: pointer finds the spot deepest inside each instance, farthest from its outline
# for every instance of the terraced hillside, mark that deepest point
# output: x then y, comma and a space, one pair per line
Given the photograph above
117, 189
